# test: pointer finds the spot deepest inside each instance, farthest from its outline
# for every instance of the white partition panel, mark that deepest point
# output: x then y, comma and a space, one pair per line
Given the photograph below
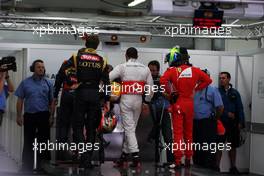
245, 69
258, 89
244, 86
10, 133
257, 140
257, 154
52, 58
209, 62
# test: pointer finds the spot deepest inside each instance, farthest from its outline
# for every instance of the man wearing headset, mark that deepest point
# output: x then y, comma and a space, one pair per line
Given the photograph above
35, 94
181, 80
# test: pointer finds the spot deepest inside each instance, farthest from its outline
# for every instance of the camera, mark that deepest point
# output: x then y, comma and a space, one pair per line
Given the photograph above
8, 63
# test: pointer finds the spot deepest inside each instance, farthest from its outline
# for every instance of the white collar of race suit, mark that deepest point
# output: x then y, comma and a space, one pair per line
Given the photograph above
132, 60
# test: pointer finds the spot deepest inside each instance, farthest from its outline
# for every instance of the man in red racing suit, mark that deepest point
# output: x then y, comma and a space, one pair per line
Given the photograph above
184, 80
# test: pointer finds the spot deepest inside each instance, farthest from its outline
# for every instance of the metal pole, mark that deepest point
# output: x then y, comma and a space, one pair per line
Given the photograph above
35, 156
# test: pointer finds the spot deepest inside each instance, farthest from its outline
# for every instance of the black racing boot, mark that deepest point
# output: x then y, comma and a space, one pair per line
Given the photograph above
123, 161
85, 161
234, 171
175, 166
187, 163
135, 160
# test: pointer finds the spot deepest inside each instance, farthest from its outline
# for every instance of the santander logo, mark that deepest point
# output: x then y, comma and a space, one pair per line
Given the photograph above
89, 57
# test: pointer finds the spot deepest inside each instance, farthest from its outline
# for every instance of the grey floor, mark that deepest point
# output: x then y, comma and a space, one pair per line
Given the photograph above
147, 169
9, 167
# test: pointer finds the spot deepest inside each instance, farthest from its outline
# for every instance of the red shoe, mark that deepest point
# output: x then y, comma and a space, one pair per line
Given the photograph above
135, 164
122, 162
135, 161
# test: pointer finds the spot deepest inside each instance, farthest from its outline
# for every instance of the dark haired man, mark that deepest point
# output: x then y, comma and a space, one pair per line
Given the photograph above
233, 118
65, 111
160, 115
35, 94
134, 76
87, 69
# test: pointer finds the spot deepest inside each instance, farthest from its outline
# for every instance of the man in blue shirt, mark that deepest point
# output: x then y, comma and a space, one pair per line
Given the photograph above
36, 94
233, 118
208, 107
160, 116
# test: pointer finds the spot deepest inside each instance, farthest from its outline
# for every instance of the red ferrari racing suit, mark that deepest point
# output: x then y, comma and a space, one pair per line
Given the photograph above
185, 80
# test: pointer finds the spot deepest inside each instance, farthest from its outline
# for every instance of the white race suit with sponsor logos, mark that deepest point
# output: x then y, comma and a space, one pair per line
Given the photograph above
131, 104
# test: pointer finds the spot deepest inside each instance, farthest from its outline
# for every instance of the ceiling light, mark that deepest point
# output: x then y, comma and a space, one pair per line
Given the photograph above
114, 37
135, 2
143, 39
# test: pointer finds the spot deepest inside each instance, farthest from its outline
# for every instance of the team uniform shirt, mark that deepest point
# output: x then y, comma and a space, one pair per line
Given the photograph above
233, 103
205, 102
37, 94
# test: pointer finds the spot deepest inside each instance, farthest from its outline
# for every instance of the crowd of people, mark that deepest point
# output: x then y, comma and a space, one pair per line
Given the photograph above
184, 108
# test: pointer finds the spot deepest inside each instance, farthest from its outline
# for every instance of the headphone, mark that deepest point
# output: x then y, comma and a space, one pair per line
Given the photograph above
32, 67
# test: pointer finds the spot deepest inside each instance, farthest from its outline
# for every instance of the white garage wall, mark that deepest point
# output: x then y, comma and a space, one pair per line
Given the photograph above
244, 83
257, 154
240, 45
52, 58
11, 135
205, 62
258, 89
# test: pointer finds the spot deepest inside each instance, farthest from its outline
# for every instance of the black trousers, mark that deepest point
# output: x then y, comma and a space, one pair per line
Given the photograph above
36, 125
87, 113
161, 125
204, 131
65, 116
1, 116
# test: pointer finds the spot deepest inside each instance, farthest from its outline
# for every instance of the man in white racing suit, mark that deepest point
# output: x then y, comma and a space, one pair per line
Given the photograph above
136, 79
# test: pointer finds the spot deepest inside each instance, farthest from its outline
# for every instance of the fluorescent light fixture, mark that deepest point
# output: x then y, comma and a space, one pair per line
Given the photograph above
135, 2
